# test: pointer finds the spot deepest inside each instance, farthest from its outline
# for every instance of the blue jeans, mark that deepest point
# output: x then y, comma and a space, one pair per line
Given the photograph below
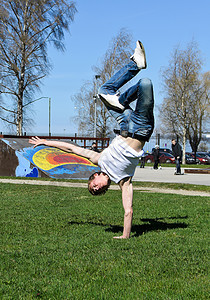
140, 121
178, 167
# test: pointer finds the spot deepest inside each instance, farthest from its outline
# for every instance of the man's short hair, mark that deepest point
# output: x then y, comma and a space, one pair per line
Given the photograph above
101, 191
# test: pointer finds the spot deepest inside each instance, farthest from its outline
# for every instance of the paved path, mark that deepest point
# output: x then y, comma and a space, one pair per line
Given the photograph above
113, 187
167, 175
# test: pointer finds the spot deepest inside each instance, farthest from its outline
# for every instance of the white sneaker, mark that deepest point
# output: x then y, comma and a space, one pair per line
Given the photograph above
112, 101
139, 56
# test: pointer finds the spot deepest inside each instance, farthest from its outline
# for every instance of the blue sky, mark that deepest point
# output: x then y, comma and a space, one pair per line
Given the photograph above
160, 25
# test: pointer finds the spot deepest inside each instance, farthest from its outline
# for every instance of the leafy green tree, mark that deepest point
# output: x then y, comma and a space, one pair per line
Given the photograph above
26, 28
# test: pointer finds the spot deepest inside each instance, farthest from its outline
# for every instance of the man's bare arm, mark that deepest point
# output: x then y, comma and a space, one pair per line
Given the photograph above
90, 154
127, 199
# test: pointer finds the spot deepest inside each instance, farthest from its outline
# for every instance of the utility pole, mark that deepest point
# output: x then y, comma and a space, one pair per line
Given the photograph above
49, 116
95, 102
49, 110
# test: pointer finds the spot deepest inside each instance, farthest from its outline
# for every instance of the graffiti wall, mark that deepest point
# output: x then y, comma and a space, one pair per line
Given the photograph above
8, 160
26, 161
59, 164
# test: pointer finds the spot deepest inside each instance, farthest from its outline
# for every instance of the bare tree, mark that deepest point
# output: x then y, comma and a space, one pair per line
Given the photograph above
200, 105
26, 28
115, 57
183, 110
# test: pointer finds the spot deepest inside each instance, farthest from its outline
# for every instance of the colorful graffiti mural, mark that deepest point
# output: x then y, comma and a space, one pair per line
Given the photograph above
12, 162
23, 169
48, 158
19, 158
59, 164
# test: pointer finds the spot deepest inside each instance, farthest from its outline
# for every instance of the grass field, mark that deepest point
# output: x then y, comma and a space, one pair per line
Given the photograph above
57, 243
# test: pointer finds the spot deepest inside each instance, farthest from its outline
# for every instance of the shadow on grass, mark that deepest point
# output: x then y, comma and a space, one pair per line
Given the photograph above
151, 225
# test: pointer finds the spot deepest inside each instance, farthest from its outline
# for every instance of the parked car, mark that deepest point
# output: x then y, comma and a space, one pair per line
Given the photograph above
200, 158
204, 159
149, 158
190, 159
208, 154
165, 150
203, 154
164, 158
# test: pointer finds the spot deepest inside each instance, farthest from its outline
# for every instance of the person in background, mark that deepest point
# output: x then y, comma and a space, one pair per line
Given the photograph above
156, 155
177, 152
142, 160
94, 147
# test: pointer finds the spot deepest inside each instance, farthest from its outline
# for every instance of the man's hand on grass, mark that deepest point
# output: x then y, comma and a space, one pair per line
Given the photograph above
120, 237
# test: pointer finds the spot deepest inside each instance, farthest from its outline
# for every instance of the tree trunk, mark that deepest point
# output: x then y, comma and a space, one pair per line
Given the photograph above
184, 145
21, 90
19, 123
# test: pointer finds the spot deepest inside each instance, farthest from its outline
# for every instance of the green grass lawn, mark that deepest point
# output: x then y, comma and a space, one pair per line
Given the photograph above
57, 243
175, 186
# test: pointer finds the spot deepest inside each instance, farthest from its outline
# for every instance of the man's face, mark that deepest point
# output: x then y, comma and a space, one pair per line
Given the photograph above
98, 182
173, 142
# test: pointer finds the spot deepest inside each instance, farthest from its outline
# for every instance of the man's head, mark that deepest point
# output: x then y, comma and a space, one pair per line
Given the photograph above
94, 145
98, 183
173, 141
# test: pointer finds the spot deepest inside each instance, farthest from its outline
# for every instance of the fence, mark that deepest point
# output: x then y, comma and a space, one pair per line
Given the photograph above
84, 142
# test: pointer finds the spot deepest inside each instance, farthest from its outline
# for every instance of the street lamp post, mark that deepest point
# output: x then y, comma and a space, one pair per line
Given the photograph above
49, 116
95, 100
49, 110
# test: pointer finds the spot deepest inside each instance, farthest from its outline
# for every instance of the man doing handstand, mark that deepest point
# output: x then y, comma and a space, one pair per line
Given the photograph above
118, 162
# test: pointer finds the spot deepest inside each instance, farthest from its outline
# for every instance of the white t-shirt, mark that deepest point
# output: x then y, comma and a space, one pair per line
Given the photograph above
119, 160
